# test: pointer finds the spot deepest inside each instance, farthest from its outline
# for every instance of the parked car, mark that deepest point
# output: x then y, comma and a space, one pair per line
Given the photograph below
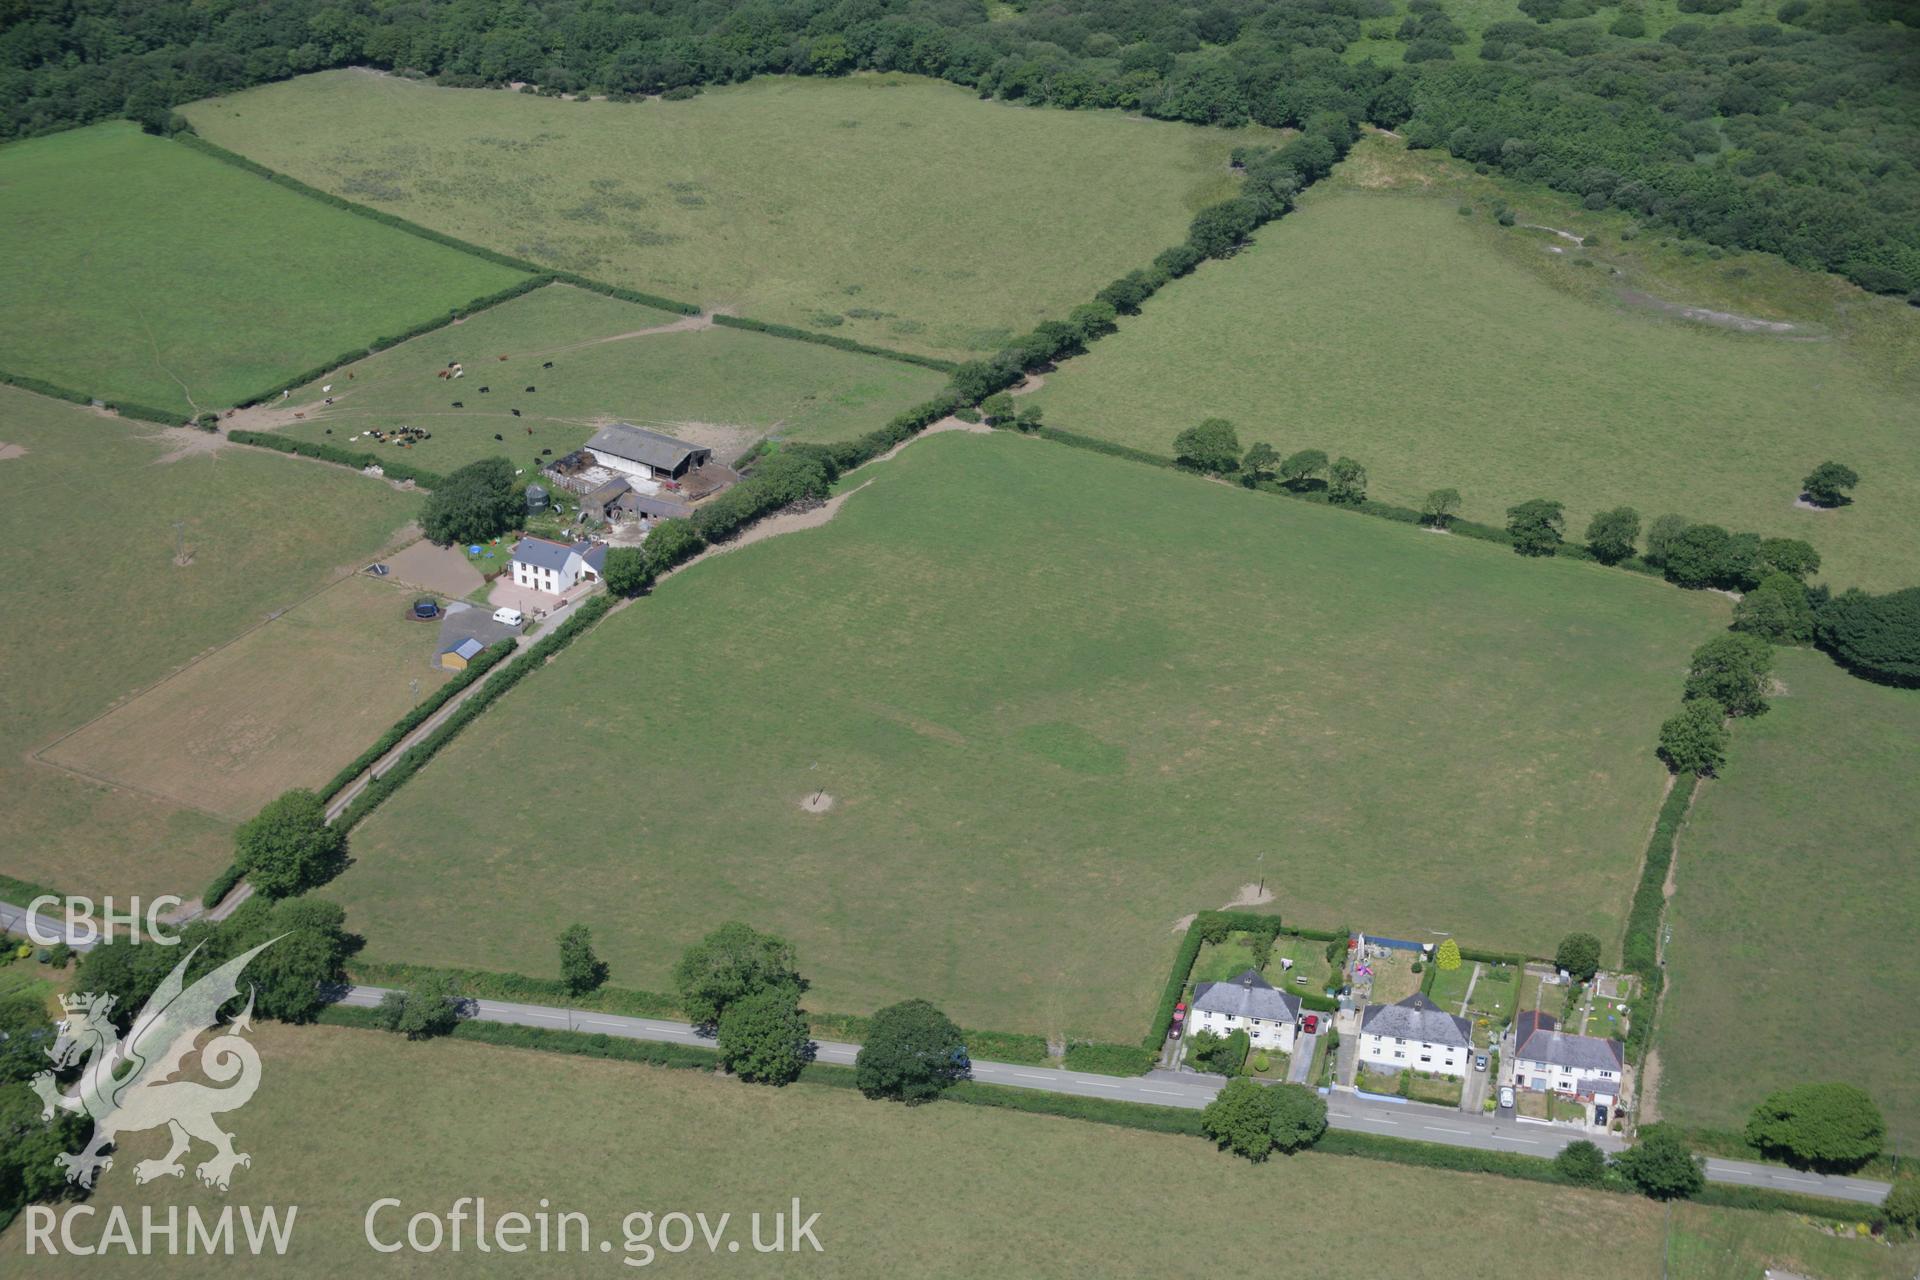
508, 616
1600, 1114
1312, 1023
1506, 1095
1480, 1063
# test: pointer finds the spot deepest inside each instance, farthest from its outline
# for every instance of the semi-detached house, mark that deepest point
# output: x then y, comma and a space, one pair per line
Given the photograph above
1416, 1034
1247, 1003
1555, 1061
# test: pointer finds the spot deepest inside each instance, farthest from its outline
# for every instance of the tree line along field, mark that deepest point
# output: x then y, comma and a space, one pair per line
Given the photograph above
891, 209
716, 386
138, 269
1377, 323
941, 1190
101, 613
1381, 40
1793, 950
1060, 701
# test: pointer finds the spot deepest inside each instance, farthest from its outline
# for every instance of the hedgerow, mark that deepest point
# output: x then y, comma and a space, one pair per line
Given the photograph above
359, 460
832, 340
125, 408
482, 663
1110, 1059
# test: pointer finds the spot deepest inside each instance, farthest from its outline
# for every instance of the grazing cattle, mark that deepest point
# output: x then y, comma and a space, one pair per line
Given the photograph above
529, 390
444, 373
503, 357
516, 413
459, 404
299, 415
547, 365
496, 435
529, 430
484, 390
329, 430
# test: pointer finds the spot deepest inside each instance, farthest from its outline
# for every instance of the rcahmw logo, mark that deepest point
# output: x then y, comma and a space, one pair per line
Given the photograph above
126, 1085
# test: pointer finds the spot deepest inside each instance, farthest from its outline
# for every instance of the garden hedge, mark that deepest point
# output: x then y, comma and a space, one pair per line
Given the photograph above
1640, 947
221, 885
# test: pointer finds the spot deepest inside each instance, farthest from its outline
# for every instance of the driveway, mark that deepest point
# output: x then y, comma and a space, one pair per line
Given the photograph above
1303, 1051
535, 604
1473, 1093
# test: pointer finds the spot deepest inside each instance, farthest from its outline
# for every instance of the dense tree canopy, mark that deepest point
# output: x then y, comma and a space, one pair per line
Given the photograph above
912, 1052
731, 963
477, 502
1824, 1126
1874, 636
288, 847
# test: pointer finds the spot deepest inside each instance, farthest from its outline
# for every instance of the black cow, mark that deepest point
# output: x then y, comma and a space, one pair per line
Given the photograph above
547, 365
459, 404
516, 413
529, 390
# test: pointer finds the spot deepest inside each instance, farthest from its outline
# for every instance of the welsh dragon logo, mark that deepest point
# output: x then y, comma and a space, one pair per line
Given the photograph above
126, 1085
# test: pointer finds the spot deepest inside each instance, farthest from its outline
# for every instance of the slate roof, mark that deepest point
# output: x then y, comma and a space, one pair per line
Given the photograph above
637, 444
542, 554
468, 649
1417, 1018
1247, 996
1537, 1040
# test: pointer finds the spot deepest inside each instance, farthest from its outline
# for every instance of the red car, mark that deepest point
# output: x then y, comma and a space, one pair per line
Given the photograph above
1312, 1024
1179, 1017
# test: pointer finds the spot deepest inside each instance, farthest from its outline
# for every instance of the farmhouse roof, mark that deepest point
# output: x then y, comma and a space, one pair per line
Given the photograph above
637, 444
542, 554
1417, 1018
1247, 996
594, 553
1537, 1040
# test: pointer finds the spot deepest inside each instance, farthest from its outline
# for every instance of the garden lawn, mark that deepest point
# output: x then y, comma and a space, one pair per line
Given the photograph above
1383, 325
891, 209
109, 614
714, 386
1450, 986
1793, 950
138, 269
1229, 959
1060, 701
346, 1117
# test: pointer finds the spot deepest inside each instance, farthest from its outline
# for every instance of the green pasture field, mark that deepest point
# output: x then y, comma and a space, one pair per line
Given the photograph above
887, 208
1793, 949
99, 612
344, 1118
716, 386
142, 270
1442, 350
1061, 701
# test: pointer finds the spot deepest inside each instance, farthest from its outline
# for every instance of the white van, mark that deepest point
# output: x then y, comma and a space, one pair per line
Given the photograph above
507, 616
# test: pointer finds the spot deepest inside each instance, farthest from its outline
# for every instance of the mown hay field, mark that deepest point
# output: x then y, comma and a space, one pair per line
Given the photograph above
1382, 324
101, 612
137, 269
610, 360
1060, 701
1793, 949
893, 209
345, 1118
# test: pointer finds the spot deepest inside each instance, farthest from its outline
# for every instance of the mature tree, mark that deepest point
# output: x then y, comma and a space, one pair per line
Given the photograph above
1259, 463
912, 1052
1697, 556
1822, 1126
433, 1007
1301, 468
1874, 636
1028, 418
1536, 526
1579, 955
1092, 321
1299, 1116
1734, 671
30, 1145
668, 543
1212, 447
1224, 1055
997, 409
580, 968
1661, 1166
1440, 507
627, 572
1219, 229
1777, 610
475, 503
729, 964
1241, 1118
1793, 556
1346, 482
763, 1037
1694, 740
1661, 535
1902, 1204
1827, 484
310, 953
288, 846
26, 1033
1447, 955
1581, 1163
1611, 534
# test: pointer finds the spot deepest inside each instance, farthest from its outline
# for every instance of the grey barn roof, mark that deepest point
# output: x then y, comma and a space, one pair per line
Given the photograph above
1417, 1018
1536, 1040
1247, 996
637, 444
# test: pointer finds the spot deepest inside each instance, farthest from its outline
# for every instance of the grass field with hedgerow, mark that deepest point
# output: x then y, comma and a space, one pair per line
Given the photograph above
1060, 702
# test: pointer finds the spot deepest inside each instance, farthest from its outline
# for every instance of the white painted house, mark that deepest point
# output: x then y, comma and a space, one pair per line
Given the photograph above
1247, 1003
1416, 1034
634, 451
553, 567
1554, 1061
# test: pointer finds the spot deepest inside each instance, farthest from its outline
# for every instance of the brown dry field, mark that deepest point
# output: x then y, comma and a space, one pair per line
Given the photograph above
285, 705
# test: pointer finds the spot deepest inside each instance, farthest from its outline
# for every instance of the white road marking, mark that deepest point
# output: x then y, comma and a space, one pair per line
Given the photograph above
1805, 1182
1028, 1075
1431, 1128
1170, 1093
1501, 1137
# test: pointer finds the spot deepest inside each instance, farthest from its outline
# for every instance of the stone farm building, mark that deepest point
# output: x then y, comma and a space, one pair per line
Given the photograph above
635, 451
1415, 1033
1247, 1003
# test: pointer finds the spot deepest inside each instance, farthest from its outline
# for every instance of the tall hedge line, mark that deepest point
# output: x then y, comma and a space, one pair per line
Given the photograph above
583, 1044
357, 459
519, 988
1130, 1115
482, 663
125, 408
990, 1046
583, 617
833, 340
21, 892
1640, 947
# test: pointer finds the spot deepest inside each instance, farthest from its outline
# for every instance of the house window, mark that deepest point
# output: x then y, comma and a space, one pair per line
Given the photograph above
1398, 1054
